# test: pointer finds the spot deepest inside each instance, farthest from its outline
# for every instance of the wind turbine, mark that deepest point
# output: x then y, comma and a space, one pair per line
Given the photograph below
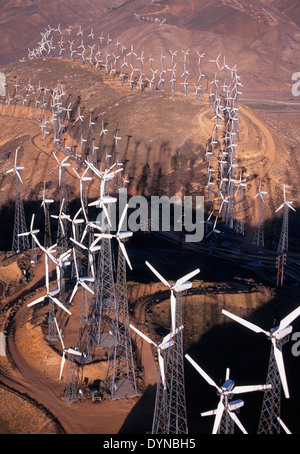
50, 293
104, 199
270, 414
16, 169
180, 285
166, 343
62, 164
283, 241
214, 229
83, 180
31, 231
276, 336
66, 351
120, 236
225, 391
61, 217
80, 280
258, 239
19, 219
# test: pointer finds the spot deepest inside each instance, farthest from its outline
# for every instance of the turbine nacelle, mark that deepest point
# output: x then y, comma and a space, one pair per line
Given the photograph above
227, 386
281, 333
235, 405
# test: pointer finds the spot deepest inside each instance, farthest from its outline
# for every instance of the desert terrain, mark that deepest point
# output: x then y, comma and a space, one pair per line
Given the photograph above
164, 136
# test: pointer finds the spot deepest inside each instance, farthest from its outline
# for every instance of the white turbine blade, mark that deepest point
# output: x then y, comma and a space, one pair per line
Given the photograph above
39, 300
73, 292
209, 413
173, 311
32, 221
46, 251
249, 388
62, 365
218, 417
122, 218
75, 263
124, 252
203, 373
166, 342
16, 157
58, 303
183, 279
76, 173
163, 280
47, 273
59, 335
86, 287
289, 318
287, 431
78, 243
142, 335
106, 213
18, 175
227, 373
281, 369
247, 324
58, 275
234, 417
162, 369
91, 261
77, 214
290, 206
281, 206
73, 352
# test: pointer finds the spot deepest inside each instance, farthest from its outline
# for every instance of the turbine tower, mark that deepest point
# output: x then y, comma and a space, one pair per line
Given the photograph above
62, 236
160, 422
45, 204
120, 375
20, 242
258, 239
283, 244
71, 389
174, 396
239, 226
276, 376
283, 241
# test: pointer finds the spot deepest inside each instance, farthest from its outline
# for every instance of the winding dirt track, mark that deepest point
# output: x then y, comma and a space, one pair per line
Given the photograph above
77, 418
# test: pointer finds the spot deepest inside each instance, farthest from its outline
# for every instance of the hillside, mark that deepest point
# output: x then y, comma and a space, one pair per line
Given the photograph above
262, 39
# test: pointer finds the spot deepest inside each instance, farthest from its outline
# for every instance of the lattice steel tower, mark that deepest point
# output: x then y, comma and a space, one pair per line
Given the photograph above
177, 417
170, 405
120, 375
106, 305
72, 385
19, 243
258, 239
270, 412
283, 244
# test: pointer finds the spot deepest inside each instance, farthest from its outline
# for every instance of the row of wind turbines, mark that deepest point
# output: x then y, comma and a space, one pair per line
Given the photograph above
119, 60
